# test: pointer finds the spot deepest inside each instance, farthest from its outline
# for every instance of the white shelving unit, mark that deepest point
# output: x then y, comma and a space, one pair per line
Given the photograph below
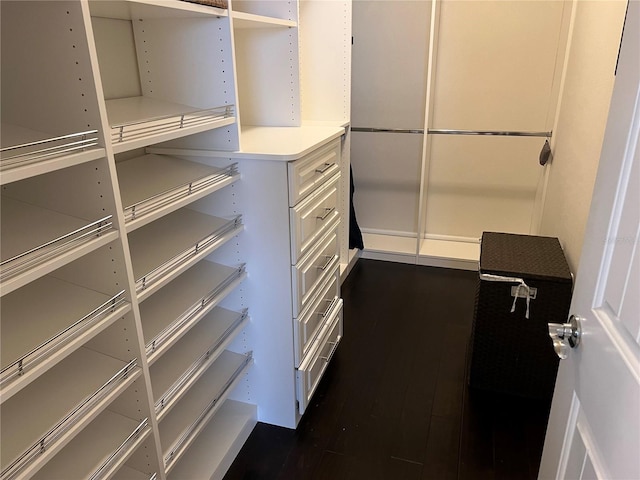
134, 295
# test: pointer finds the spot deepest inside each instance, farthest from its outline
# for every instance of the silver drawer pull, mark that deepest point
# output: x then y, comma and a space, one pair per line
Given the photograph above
327, 212
334, 347
326, 312
326, 265
324, 168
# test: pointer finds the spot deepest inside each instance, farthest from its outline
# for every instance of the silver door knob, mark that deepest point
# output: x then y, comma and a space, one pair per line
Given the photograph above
565, 335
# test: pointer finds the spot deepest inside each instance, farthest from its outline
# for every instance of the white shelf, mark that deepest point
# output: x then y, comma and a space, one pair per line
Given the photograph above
46, 320
35, 238
218, 444
59, 405
183, 303
140, 121
154, 185
389, 247
250, 20
174, 373
25, 152
128, 473
463, 255
435, 252
94, 452
147, 9
182, 425
163, 249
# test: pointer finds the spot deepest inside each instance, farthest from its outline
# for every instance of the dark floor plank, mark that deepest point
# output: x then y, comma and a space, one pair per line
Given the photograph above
331, 467
441, 461
387, 468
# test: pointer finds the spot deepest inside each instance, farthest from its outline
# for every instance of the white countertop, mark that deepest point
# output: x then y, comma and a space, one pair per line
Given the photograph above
271, 143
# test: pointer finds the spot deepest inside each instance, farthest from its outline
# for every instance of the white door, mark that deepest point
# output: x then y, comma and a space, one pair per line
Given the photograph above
594, 426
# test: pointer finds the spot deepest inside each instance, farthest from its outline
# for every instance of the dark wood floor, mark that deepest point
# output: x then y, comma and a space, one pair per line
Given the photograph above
394, 403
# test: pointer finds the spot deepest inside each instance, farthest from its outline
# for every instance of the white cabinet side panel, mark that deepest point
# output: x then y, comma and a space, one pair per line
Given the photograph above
325, 60
263, 199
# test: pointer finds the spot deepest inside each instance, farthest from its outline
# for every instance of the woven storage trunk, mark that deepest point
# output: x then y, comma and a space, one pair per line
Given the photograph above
511, 353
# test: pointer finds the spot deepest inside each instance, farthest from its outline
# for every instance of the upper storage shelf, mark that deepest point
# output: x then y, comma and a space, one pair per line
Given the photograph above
64, 316
166, 69
25, 152
162, 250
44, 226
250, 20
184, 302
60, 404
154, 185
50, 117
140, 121
98, 450
135, 9
32, 236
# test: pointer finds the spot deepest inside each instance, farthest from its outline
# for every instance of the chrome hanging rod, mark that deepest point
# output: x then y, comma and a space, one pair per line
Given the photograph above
386, 130
441, 131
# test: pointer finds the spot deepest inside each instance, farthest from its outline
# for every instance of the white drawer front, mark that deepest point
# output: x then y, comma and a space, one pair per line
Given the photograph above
307, 326
313, 269
313, 367
312, 171
312, 218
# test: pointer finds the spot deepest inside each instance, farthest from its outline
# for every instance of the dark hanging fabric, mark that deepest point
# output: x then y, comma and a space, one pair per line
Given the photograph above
355, 235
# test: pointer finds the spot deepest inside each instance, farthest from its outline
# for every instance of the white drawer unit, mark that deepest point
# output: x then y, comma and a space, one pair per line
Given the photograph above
307, 325
289, 196
312, 217
306, 174
315, 363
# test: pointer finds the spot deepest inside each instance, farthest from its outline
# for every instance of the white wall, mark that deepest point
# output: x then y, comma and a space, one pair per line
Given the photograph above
581, 121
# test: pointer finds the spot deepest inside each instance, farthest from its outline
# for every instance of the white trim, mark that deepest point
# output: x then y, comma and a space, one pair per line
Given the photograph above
568, 437
450, 238
389, 233
426, 139
540, 201
593, 452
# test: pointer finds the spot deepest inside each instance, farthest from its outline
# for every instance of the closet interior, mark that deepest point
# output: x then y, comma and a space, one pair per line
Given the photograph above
175, 189
172, 228
446, 137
